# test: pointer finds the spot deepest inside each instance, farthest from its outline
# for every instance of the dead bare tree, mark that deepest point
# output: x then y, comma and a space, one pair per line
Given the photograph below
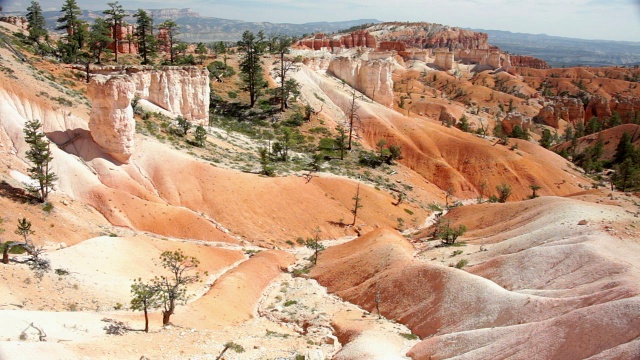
353, 116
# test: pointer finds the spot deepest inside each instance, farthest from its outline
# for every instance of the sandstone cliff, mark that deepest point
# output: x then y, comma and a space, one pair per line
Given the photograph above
183, 91
565, 108
111, 123
528, 61
372, 78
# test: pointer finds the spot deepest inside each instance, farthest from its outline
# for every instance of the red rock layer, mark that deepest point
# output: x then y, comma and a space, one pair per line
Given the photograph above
126, 35
528, 61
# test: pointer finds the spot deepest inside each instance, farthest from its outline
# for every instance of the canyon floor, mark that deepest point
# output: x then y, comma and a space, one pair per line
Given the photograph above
554, 277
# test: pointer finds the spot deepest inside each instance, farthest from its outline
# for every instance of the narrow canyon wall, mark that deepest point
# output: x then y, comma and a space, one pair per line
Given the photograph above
111, 120
183, 91
372, 78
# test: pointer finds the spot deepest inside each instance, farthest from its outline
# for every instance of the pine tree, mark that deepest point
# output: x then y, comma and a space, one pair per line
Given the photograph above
37, 24
114, 18
144, 298
464, 123
625, 149
280, 46
99, 38
546, 139
200, 135
146, 41
76, 29
171, 28
39, 155
251, 69
341, 140
201, 50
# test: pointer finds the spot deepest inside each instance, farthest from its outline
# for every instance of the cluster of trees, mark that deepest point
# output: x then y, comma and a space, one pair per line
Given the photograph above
626, 164
84, 41
252, 47
166, 291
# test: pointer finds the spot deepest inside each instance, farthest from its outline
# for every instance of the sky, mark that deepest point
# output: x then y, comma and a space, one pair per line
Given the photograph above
585, 19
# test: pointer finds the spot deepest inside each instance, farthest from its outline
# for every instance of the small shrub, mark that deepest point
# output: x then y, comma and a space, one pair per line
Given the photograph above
62, 272
235, 347
47, 207
409, 336
462, 263
456, 253
118, 306
289, 242
290, 302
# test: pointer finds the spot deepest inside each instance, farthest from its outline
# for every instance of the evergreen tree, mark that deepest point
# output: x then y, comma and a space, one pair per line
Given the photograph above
200, 135
171, 28
115, 15
625, 149
568, 134
76, 29
172, 289
37, 25
464, 123
626, 175
280, 46
341, 140
99, 38
519, 133
251, 68
593, 126
615, 120
579, 130
202, 51
146, 41
39, 155
546, 139
144, 298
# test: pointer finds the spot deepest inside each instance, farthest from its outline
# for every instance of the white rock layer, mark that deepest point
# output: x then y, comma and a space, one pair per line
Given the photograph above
372, 78
111, 120
183, 91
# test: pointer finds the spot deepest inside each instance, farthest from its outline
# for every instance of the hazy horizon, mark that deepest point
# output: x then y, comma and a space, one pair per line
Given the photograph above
617, 20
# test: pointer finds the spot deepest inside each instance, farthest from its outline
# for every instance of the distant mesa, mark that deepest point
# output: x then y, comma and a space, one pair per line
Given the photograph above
419, 41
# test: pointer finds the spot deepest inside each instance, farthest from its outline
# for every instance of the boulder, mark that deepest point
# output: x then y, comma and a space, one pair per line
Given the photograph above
111, 120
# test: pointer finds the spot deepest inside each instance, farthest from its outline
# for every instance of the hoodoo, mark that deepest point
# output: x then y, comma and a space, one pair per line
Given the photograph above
111, 123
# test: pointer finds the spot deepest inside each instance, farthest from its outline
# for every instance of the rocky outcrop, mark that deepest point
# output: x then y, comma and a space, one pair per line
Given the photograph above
111, 121
628, 107
19, 21
126, 39
528, 61
598, 107
360, 38
515, 118
425, 35
372, 78
444, 60
565, 108
183, 91
491, 57
392, 45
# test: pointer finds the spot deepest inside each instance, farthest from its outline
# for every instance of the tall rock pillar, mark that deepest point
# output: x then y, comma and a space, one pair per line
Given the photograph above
111, 121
